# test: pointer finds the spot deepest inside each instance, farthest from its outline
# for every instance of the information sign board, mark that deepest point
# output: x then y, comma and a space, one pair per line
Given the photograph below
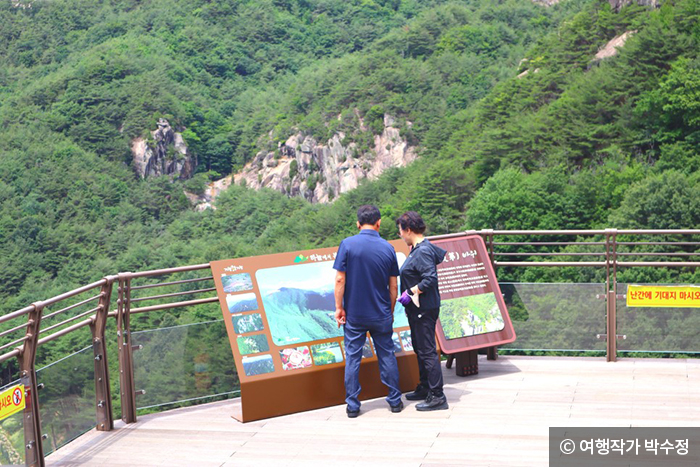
279, 312
473, 314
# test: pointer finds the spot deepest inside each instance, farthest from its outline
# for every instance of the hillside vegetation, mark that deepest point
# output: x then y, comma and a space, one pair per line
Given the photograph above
517, 126
572, 143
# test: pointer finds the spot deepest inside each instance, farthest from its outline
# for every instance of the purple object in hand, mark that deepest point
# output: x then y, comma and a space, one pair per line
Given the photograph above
405, 299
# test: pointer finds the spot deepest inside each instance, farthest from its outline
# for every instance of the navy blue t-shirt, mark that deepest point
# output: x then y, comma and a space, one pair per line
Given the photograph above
368, 262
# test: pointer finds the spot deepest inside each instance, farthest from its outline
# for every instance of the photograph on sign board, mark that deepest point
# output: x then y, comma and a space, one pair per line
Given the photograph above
326, 354
299, 302
247, 323
258, 365
253, 344
394, 340
406, 341
295, 358
237, 282
243, 302
300, 305
470, 316
366, 349
397, 342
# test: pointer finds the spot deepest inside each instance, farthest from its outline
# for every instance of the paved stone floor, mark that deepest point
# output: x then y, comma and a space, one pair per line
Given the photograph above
498, 418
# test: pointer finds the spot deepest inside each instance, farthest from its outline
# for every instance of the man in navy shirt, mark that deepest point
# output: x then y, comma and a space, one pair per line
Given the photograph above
365, 295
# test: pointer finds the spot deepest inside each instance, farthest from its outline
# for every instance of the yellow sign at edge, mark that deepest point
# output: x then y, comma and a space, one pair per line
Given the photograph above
660, 296
12, 400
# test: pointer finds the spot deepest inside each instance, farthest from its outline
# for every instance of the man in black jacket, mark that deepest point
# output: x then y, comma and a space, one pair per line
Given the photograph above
419, 277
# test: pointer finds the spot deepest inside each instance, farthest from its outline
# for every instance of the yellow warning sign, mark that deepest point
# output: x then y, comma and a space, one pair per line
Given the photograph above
12, 401
666, 296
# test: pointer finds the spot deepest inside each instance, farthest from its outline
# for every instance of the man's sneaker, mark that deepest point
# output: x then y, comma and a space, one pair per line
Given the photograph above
420, 394
352, 413
397, 408
433, 403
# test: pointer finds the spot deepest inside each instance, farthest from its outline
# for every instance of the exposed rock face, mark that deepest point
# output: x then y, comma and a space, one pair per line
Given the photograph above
166, 155
611, 48
206, 201
618, 4
546, 2
320, 172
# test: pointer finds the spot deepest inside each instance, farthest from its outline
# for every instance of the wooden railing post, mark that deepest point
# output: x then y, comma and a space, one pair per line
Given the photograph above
611, 293
103, 396
126, 363
33, 448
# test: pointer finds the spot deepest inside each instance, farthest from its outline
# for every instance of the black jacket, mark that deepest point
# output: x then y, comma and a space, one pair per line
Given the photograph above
420, 268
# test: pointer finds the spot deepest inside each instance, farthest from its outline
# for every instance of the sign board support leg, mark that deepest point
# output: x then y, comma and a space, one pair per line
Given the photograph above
467, 363
492, 353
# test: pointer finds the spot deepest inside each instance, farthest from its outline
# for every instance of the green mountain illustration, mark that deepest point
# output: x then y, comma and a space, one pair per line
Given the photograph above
297, 315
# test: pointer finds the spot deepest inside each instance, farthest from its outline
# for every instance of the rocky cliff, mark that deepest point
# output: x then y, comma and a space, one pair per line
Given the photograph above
612, 47
301, 166
618, 4
164, 154
319, 172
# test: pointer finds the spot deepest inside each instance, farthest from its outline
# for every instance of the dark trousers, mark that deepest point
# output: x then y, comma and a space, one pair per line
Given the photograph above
355, 337
422, 323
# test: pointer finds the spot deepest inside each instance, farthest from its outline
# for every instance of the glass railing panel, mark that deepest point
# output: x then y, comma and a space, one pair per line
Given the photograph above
12, 436
656, 330
67, 399
564, 317
184, 365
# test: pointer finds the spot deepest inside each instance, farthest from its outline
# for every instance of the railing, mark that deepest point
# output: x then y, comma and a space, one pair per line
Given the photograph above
160, 382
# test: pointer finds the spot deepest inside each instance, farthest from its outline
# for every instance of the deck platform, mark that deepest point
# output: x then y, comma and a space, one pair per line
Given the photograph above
499, 417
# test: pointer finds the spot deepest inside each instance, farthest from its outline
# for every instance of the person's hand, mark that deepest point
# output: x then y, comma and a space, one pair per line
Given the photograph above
404, 299
415, 290
340, 316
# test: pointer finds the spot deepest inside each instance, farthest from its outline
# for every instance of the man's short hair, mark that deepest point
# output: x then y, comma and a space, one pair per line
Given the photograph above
411, 220
368, 214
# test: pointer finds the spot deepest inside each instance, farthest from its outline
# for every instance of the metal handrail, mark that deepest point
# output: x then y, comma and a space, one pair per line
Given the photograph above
75, 305
74, 292
163, 284
68, 320
16, 328
596, 264
15, 314
65, 331
656, 254
602, 253
167, 306
97, 315
547, 243
175, 294
14, 342
163, 272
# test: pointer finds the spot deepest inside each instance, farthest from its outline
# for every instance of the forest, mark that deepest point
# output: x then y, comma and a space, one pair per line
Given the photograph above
517, 126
